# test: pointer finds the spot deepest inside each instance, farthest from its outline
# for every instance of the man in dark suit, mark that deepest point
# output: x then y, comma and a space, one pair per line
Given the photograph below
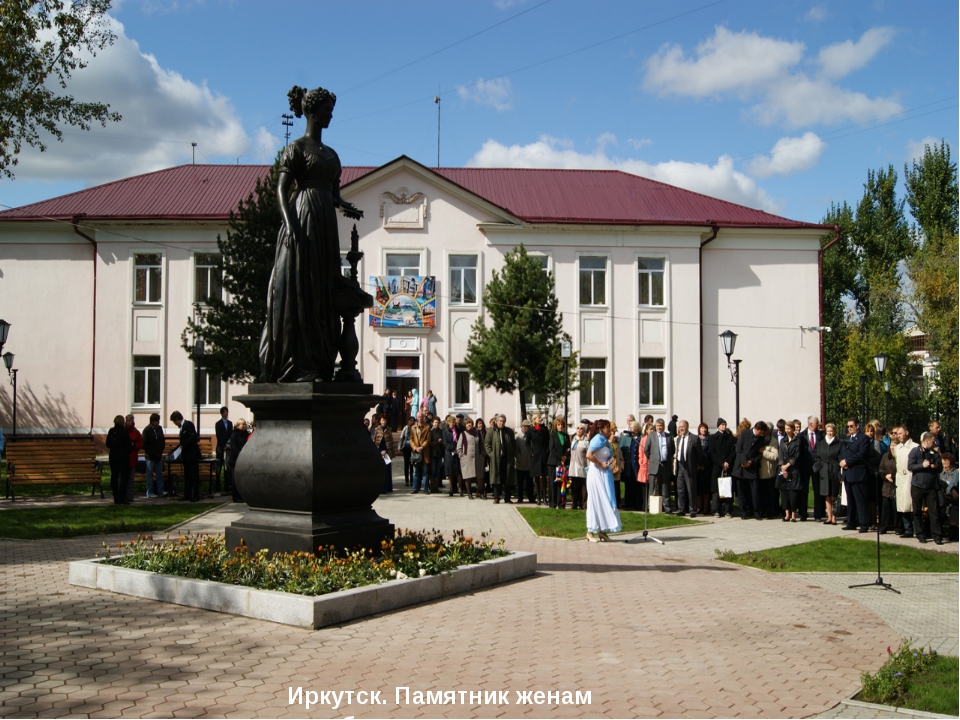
688, 458
659, 451
747, 468
853, 467
189, 456
224, 431
723, 453
809, 440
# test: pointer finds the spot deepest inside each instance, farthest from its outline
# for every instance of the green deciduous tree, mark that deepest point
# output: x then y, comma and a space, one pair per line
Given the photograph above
231, 328
519, 350
932, 193
39, 45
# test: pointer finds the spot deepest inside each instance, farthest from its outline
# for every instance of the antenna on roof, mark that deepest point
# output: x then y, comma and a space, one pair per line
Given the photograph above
288, 123
193, 150
436, 99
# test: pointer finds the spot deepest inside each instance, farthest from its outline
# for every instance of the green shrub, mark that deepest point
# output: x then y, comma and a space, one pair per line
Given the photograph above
753, 559
889, 685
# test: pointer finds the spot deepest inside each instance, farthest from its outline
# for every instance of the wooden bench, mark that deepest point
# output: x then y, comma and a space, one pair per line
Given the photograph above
207, 458
52, 460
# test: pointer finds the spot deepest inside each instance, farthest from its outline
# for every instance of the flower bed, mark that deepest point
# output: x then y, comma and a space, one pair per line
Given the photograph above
409, 555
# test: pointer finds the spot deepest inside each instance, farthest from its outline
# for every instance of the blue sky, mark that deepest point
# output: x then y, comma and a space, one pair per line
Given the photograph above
778, 105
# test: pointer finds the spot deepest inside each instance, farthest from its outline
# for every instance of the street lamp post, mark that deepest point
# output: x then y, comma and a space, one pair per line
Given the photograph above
198, 350
880, 361
729, 340
565, 354
12, 371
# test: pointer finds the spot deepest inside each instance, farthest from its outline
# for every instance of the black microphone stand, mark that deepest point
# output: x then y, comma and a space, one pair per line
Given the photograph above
879, 581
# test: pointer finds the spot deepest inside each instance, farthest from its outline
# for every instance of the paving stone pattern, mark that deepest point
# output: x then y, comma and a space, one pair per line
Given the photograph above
651, 631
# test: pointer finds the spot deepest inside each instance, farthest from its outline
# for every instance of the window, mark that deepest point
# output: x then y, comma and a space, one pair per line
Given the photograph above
593, 280
208, 391
651, 280
544, 263
403, 265
148, 271
209, 277
463, 279
651, 382
461, 386
146, 379
344, 266
593, 373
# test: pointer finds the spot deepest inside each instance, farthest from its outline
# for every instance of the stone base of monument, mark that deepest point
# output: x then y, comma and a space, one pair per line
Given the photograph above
309, 472
301, 610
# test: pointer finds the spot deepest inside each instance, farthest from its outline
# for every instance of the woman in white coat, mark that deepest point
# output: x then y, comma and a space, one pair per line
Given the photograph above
472, 456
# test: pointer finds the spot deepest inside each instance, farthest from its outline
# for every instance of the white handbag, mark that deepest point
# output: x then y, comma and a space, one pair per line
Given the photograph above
725, 487
656, 504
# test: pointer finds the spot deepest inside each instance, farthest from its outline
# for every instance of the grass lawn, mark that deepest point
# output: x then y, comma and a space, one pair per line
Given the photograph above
935, 689
844, 555
548, 522
38, 523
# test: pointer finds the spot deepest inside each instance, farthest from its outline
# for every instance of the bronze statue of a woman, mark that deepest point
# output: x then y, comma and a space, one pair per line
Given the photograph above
301, 335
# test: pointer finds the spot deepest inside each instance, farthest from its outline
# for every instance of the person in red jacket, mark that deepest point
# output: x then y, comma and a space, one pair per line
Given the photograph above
136, 445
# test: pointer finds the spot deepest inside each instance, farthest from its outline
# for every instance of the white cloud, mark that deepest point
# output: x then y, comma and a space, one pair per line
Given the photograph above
163, 113
495, 93
841, 59
720, 180
639, 143
816, 14
789, 155
727, 62
915, 149
749, 66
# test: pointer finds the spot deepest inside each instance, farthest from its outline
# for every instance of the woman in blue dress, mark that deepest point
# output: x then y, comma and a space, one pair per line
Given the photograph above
602, 515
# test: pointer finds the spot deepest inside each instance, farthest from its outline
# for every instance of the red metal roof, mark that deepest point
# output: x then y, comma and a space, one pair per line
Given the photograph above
210, 192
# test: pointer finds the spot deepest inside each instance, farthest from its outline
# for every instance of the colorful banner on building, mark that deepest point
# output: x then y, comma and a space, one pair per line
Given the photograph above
409, 301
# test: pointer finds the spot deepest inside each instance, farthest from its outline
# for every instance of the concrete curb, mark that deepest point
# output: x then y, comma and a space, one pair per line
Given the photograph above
300, 610
905, 712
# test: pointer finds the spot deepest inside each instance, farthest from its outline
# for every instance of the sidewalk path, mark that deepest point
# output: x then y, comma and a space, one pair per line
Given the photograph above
649, 630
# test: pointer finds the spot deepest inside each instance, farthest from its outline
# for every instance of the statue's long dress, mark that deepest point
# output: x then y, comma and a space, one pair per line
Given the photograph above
302, 331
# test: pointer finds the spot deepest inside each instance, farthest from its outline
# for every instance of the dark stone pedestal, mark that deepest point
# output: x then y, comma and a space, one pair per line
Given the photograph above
309, 472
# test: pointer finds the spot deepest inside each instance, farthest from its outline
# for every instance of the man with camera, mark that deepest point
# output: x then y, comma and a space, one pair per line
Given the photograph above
924, 462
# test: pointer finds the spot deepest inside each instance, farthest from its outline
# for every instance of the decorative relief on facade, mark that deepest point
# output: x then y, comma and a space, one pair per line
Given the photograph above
403, 210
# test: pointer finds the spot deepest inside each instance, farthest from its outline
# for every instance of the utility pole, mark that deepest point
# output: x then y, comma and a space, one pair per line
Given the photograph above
287, 123
193, 150
436, 99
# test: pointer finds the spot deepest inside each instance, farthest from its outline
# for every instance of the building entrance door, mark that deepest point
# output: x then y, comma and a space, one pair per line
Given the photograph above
403, 375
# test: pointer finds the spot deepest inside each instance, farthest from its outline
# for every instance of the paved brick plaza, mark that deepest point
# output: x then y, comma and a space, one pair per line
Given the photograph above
649, 630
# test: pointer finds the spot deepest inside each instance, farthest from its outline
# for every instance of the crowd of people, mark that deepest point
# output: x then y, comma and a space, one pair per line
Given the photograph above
125, 443
866, 477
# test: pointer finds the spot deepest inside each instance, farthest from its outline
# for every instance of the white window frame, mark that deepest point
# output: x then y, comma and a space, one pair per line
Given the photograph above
606, 279
345, 265
593, 373
644, 276
548, 266
134, 255
641, 372
210, 268
145, 381
419, 252
457, 369
206, 400
451, 269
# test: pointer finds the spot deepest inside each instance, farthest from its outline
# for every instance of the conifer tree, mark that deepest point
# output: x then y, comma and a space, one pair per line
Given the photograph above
231, 327
519, 350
